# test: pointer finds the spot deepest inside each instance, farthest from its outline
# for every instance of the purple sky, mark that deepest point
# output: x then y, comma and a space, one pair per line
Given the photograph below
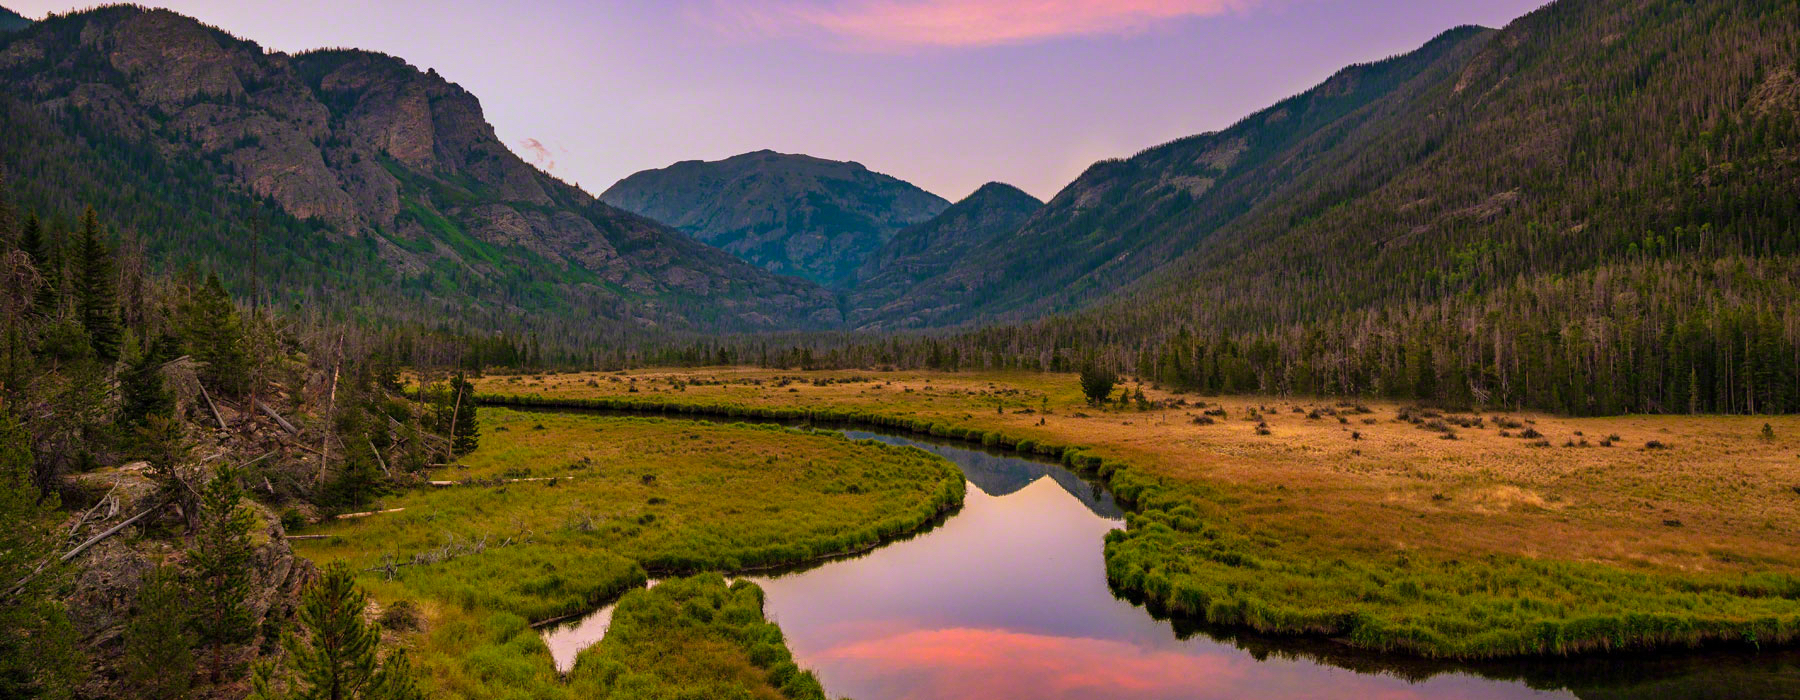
947, 94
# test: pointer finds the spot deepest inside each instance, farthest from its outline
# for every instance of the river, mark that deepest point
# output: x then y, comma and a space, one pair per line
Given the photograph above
1008, 598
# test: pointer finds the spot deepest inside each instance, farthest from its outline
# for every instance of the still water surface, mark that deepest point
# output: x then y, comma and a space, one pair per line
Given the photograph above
1007, 598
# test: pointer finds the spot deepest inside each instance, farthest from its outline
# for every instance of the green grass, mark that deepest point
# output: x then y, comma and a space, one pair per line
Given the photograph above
1499, 606
692, 638
630, 497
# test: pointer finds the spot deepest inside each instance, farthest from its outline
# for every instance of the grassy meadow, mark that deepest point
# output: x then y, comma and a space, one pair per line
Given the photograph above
1391, 526
557, 513
693, 637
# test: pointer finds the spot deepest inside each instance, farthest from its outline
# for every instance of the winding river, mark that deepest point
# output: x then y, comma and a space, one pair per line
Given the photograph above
1008, 598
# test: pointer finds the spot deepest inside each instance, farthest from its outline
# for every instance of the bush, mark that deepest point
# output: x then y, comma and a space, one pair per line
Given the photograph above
401, 616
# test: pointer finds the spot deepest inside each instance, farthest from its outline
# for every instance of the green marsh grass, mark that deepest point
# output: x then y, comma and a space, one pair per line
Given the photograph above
630, 497
692, 638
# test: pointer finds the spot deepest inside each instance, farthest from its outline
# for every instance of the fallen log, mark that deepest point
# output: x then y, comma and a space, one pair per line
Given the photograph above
285, 425
366, 514
209, 404
378, 459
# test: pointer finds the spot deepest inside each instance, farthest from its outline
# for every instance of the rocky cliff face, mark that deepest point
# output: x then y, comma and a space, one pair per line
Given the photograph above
792, 214
384, 157
925, 250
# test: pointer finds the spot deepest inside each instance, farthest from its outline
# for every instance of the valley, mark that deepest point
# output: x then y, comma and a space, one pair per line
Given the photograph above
1469, 368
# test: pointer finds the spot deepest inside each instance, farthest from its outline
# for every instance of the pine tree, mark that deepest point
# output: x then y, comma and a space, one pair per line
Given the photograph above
159, 657
96, 289
9, 215
337, 660
38, 657
215, 336
42, 249
164, 444
1097, 383
33, 242
357, 482
222, 566
141, 390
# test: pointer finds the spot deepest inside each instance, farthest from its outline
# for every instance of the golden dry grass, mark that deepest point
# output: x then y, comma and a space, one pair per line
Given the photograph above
1719, 498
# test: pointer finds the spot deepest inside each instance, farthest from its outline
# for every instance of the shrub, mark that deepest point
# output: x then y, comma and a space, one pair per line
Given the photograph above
401, 616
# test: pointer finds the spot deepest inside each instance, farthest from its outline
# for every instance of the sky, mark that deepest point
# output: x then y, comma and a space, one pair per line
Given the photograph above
946, 94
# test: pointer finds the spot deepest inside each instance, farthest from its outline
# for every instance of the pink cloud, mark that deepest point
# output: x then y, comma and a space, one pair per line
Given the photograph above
964, 23
973, 663
540, 155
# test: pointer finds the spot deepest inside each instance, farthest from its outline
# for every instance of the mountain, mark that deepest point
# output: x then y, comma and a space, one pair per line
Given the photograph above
1123, 218
12, 21
924, 250
792, 214
383, 190
1589, 211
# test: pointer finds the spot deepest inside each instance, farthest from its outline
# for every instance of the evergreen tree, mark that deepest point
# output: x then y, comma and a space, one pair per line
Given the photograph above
96, 289
215, 336
338, 660
357, 483
222, 566
166, 447
38, 657
159, 657
41, 246
141, 390
1097, 383
9, 216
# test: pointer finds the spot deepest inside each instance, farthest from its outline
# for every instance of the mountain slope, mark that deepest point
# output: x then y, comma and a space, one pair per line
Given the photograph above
1591, 212
12, 21
386, 190
1587, 133
924, 250
1123, 218
792, 214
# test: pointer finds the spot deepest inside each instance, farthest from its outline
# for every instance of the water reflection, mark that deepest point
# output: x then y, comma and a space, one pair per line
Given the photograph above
1009, 599
1001, 475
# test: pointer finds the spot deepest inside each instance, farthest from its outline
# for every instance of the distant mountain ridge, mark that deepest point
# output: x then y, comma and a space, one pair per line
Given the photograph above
792, 214
927, 249
387, 189
1123, 218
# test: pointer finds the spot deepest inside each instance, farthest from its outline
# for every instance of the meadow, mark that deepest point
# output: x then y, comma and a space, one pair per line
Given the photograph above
557, 513
1388, 526
693, 637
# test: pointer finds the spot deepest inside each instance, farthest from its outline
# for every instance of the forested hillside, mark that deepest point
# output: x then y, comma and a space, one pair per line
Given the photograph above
924, 250
11, 21
344, 179
156, 442
792, 214
1124, 218
1591, 211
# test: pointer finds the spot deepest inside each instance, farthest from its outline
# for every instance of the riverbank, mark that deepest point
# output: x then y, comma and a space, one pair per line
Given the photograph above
1523, 535
614, 498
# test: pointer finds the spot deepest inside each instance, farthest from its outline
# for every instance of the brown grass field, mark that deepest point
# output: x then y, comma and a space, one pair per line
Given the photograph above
1718, 498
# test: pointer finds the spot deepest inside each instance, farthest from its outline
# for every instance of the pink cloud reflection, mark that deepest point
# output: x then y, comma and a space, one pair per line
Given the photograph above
895, 23
982, 663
